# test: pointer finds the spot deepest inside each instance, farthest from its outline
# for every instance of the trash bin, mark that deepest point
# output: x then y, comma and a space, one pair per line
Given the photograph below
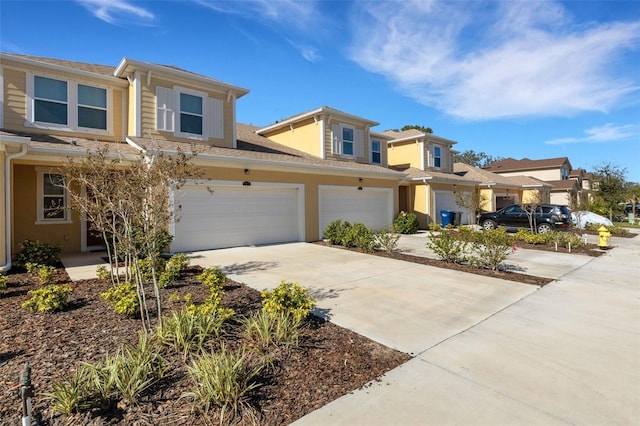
457, 218
447, 217
631, 217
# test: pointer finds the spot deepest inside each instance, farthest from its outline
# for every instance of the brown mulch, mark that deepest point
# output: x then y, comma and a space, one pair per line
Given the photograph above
330, 361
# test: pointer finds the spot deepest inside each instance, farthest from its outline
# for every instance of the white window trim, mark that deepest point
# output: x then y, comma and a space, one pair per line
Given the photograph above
205, 116
353, 142
72, 106
433, 161
40, 219
371, 151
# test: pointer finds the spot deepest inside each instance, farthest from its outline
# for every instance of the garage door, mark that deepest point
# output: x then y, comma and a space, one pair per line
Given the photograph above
446, 200
217, 215
371, 206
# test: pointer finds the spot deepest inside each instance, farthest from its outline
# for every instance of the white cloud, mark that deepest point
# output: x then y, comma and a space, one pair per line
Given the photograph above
607, 133
491, 60
118, 11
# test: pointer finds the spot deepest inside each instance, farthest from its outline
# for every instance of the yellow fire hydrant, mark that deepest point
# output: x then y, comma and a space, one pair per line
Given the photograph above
603, 237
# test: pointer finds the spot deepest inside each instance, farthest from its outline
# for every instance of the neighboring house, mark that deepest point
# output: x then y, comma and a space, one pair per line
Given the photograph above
584, 180
497, 191
556, 171
265, 190
431, 186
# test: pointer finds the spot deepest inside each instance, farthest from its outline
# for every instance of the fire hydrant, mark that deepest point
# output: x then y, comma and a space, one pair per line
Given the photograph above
603, 237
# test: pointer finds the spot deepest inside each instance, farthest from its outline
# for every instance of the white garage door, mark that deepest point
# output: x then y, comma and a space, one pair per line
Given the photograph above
446, 200
371, 206
216, 215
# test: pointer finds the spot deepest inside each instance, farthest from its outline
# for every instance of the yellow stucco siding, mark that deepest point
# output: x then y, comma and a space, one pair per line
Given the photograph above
24, 212
3, 230
534, 196
148, 113
405, 153
487, 199
420, 194
304, 136
310, 182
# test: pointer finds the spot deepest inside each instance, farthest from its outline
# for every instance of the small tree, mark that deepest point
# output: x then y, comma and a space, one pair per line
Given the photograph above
531, 207
127, 201
610, 186
472, 200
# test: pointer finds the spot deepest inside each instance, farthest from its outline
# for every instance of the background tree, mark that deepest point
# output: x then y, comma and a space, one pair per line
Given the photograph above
127, 201
413, 126
476, 159
610, 191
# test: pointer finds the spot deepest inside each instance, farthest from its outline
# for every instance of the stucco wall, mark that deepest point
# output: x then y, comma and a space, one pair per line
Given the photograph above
304, 136
405, 153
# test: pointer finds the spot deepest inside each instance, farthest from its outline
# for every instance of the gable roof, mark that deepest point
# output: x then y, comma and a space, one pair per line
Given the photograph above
416, 174
324, 110
413, 134
512, 165
564, 185
488, 178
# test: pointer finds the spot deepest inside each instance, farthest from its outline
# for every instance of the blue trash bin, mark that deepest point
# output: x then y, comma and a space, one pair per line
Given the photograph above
446, 217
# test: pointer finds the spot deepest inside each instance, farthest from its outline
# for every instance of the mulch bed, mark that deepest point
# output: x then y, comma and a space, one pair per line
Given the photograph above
330, 361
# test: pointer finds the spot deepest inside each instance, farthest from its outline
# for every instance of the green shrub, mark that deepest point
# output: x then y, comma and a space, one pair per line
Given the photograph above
172, 270
265, 330
531, 238
467, 233
564, 239
615, 230
144, 266
492, 248
434, 227
386, 240
406, 223
289, 298
446, 246
46, 274
103, 273
48, 299
359, 236
225, 380
187, 330
128, 373
336, 231
3, 282
32, 268
38, 252
213, 278
123, 298
73, 394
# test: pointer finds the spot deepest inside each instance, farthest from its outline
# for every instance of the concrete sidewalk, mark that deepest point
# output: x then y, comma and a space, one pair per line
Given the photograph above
567, 354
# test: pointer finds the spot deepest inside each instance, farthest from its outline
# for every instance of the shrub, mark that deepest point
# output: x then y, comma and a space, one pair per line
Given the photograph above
564, 238
615, 229
406, 223
38, 252
144, 266
46, 274
103, 273
531, 238
492, 248
213, 278
32, 268
467, 233
266, 330
128, 373
224, 379
434, 227
123, 298
386, 240
336, 231
449, 248
359, 236
172, 270
73, 394
290, 298
3, 282
187, 330
48, 299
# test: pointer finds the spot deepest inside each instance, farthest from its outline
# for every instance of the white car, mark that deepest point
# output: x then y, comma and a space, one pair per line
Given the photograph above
582, 218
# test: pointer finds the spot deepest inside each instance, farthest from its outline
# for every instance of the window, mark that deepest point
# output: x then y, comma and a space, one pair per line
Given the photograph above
50, 100
376, 152
52, 198
92, 107
347, 141
191, 116
564, 173
66, 105
437, 156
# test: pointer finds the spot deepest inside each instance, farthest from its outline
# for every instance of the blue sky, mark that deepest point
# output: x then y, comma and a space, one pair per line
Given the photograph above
533, 79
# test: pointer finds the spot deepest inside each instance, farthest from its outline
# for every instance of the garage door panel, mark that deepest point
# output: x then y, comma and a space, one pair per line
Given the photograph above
373, 207
237, 215
446, 200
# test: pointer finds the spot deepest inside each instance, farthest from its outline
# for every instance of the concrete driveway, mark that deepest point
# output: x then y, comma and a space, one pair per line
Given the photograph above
486, 351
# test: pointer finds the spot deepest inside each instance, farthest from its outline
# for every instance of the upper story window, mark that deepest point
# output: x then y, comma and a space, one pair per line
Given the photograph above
437, 156
564, 173
198, 116
376, 153
52, 203
66, 105
347, 141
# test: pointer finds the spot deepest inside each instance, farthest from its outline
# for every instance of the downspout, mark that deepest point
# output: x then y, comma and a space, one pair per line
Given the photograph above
7, 205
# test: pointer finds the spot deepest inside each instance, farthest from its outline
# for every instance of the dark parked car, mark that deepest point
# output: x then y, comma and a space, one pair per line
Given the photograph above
547, 217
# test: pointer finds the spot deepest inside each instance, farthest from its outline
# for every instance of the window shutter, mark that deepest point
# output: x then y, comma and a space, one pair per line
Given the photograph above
165, 108
336, 139
216, 118
358, 150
